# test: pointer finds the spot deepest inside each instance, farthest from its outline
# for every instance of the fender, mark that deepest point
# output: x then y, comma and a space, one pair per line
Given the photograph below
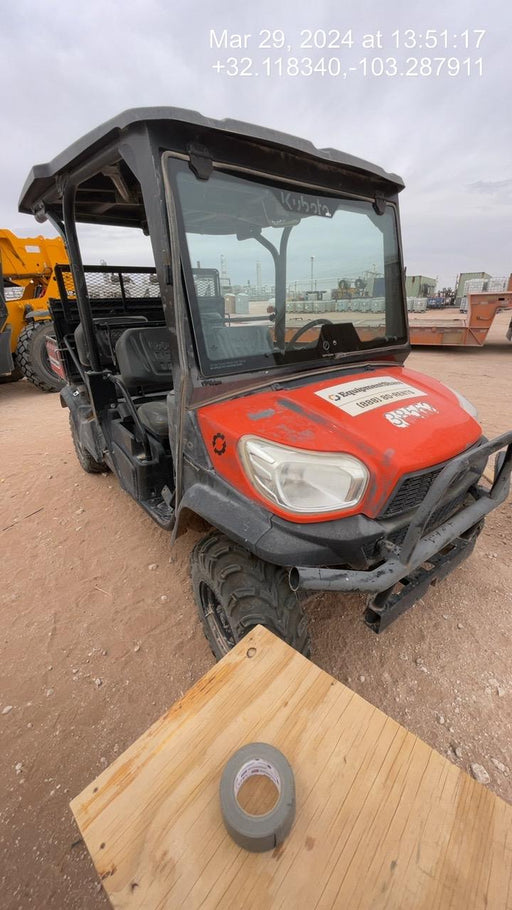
76, 399
36, 315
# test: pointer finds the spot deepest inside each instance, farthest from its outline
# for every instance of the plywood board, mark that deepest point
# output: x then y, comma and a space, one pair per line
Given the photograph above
383, 821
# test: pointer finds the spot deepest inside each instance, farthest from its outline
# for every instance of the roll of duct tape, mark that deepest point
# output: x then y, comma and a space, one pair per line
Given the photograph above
258, 832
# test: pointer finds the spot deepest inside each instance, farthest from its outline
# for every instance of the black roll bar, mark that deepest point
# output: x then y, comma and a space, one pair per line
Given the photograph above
75, 258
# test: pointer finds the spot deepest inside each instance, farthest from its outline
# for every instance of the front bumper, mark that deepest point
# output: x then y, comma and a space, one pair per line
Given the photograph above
441, 549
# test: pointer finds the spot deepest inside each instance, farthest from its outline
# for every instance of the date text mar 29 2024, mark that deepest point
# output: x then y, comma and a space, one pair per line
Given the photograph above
409, 39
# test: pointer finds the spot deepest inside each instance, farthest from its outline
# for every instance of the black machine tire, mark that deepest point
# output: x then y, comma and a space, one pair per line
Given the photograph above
15, 376
308, 325
32, 357
89, 464
235, 591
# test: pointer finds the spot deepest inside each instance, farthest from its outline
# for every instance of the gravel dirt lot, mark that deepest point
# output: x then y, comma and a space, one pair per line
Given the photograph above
100, 634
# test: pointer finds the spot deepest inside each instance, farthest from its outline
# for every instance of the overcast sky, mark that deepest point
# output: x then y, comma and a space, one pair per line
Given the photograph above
68, 66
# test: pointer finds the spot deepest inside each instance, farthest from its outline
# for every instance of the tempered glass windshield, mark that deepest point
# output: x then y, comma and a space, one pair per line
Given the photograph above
278, 277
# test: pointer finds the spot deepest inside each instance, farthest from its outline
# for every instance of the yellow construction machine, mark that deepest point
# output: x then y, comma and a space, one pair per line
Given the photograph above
27, 283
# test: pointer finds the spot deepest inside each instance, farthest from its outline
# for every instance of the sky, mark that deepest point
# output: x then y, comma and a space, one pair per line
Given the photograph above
422, 89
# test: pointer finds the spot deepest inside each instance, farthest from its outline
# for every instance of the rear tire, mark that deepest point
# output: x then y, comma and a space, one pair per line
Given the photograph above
32, 357
89, 464
235, 591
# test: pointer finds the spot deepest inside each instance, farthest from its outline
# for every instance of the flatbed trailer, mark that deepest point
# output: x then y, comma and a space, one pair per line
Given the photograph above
470, 329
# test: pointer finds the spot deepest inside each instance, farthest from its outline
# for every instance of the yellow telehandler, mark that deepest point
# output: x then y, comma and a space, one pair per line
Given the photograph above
27, 283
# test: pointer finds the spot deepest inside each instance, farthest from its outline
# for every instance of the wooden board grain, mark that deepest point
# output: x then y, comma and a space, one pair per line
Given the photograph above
383, 821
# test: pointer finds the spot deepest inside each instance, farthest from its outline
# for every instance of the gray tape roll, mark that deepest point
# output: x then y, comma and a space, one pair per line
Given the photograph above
258, 832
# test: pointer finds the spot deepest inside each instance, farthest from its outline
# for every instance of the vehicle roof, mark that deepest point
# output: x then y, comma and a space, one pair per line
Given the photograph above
40, 184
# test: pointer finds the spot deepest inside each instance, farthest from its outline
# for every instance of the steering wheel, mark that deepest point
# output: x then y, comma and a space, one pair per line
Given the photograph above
309, 325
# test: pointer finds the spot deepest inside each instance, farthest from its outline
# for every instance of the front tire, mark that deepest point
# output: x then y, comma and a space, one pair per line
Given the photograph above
32, 357
235, 591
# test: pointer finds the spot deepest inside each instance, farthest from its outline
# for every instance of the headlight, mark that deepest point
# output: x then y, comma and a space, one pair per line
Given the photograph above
303, 481
464, 403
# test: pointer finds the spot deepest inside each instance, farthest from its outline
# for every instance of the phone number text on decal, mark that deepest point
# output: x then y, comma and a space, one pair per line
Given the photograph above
337, 67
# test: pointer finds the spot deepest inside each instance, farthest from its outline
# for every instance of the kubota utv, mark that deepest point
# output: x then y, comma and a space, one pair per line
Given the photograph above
236, 388
27, 272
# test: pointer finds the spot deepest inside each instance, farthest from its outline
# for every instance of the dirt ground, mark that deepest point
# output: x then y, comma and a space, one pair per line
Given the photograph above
100, 633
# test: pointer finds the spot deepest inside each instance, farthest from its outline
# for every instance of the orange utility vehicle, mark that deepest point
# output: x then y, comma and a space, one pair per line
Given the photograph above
319, 460
27, 265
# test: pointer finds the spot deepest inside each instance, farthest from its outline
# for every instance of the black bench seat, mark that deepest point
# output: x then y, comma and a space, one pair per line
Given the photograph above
143, 355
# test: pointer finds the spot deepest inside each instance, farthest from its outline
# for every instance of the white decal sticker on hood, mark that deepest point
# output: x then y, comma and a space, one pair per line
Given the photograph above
363, 395
403, 416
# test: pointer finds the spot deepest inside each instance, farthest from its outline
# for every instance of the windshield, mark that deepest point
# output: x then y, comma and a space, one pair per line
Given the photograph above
278, 277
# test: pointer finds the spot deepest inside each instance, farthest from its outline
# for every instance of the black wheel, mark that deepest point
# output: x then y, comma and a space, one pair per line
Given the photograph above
85, 458
235, 591
32, 357
309, 325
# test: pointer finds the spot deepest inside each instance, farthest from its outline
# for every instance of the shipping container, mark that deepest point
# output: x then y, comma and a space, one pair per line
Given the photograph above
420, 286
469, 276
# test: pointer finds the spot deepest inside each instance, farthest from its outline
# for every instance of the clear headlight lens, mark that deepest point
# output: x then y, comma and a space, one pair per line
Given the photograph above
464, 403
303, 481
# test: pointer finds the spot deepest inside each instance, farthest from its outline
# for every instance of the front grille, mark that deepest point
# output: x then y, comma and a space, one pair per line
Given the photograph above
410, 492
